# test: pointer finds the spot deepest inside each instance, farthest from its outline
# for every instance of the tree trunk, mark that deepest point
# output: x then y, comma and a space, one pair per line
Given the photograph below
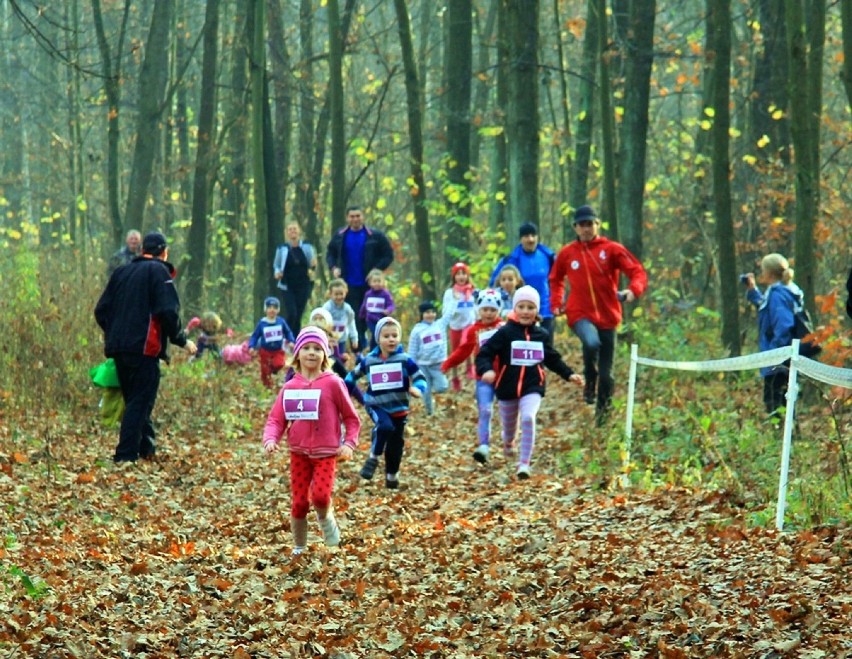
204, 163
579, 184
805, 38
499, 172
258, 76
719, 26
112, 91
282, 79
323, 123
638, 57
235, 149
274, 203
460, 63
415, 131
522, 121
483, 84
846, 21
338, 134
305, 194
152, 87
769, 89
608, 208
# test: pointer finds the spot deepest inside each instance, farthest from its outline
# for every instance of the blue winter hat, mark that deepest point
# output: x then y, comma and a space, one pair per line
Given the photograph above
272, 302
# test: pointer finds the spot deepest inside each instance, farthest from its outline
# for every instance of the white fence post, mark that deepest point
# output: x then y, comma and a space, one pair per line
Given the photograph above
787, 444
628, 433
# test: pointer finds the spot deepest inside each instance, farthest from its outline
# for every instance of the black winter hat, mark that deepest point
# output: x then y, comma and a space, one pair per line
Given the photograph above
428, 305
527, 229
154, 243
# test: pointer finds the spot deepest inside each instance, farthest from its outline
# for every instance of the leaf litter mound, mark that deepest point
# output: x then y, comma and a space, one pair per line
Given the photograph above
189, 556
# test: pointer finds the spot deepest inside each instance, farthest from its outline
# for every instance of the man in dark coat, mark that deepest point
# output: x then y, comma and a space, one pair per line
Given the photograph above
354, 251
139, 312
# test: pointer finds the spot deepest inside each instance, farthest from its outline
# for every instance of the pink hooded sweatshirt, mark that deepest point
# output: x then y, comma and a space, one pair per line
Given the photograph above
320, 437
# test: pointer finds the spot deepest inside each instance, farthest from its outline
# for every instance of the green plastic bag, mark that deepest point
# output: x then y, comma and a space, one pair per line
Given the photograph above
111, 407
105, 375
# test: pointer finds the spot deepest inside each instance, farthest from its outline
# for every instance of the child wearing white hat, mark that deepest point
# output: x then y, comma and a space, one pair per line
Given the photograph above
513, 359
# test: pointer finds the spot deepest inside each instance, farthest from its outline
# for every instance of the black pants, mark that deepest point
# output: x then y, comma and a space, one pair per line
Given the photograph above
388, 438
355, 297
294, 300
598, 355
775, 391
139, 377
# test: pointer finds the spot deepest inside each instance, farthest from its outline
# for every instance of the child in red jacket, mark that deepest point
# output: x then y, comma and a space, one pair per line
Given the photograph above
488, 305
309, 410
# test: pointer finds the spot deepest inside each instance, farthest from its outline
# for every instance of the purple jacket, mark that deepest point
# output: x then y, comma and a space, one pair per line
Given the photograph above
376, 305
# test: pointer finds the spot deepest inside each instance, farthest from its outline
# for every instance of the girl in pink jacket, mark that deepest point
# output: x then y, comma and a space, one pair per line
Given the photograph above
309, 410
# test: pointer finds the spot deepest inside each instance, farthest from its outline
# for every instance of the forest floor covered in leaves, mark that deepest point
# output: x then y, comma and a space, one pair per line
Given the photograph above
189, 556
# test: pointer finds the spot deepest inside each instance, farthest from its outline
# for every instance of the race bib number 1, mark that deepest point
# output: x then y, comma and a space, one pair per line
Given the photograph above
386, 376
301, 404
527, 353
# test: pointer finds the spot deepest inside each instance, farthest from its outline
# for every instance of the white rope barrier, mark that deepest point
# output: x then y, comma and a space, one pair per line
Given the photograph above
840, 377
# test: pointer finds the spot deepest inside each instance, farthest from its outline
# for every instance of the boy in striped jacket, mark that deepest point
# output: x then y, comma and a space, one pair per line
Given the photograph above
392, 378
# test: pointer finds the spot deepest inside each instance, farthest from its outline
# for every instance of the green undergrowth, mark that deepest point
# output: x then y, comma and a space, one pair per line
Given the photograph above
710, 431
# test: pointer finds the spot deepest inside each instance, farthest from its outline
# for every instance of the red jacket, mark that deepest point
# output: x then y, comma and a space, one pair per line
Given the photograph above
470, 343
592, 269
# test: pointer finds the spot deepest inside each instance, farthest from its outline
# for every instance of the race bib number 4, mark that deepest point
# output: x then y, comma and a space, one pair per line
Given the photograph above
375, 304
301, 404
527, 353
386, 376
273, 333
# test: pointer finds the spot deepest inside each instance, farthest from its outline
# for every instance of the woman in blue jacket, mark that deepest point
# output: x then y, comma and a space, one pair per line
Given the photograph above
776, 320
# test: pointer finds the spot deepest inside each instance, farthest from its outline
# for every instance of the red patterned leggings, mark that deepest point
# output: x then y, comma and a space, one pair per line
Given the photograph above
311, 483
271, 361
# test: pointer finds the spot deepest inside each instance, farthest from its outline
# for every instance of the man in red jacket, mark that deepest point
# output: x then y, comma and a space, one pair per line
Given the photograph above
592, 265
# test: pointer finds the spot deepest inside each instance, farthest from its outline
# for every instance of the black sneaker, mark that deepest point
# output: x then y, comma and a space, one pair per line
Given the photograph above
369, 468
589, 393
392, 484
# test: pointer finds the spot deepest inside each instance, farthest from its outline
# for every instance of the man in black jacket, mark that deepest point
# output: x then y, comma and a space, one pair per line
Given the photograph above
139, 312
354, 251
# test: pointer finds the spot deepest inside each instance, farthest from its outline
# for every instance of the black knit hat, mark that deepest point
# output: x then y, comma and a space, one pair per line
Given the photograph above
428, 305
527, 229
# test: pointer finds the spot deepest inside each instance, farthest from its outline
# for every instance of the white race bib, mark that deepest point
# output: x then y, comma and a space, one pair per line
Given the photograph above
375, 304
301, 404
272, 333
386, 376
527, 353
432, 337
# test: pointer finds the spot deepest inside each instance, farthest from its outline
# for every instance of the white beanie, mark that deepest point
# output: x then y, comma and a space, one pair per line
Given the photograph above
325, 314
384, 321
527, 294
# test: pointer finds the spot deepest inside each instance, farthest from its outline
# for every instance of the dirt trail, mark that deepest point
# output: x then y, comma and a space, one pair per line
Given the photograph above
190, 557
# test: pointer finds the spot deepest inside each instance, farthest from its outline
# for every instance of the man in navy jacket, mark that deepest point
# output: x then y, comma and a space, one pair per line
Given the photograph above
139, 312
354, 251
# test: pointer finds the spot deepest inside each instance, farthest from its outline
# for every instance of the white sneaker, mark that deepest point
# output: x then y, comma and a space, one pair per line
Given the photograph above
297, 551
523, 472
481, 453
330, 531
